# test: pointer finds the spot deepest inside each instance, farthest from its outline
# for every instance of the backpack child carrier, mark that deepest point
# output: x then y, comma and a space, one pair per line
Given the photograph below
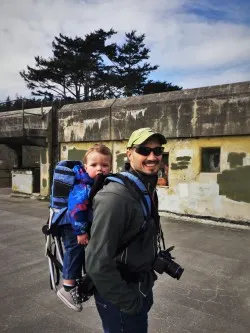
63, 182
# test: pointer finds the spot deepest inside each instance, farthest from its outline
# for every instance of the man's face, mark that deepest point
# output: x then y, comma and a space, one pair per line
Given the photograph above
147, 164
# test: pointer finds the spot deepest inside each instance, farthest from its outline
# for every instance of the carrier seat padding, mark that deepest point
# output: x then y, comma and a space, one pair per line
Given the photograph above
63, 181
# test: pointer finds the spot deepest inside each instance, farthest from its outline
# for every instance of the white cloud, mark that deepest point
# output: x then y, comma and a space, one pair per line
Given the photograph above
200, 45
179, 39
210, 78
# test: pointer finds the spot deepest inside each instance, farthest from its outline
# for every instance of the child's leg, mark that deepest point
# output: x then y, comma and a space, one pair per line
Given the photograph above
72, 268
74, 256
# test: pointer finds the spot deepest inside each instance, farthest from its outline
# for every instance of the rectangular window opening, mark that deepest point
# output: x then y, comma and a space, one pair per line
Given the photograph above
163, 174
210, 159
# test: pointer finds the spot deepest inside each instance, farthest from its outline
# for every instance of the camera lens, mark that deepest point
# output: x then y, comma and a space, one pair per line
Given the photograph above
179, 272
174, 270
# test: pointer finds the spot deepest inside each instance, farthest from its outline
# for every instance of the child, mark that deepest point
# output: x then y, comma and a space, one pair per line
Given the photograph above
98, 159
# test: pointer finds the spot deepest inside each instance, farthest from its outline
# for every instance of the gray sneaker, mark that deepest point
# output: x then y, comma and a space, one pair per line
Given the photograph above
70, 298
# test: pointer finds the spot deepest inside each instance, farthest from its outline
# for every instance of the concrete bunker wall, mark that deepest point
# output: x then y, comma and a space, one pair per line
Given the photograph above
217, 116
25, 137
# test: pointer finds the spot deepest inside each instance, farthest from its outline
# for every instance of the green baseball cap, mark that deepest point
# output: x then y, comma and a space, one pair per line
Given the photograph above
142, 134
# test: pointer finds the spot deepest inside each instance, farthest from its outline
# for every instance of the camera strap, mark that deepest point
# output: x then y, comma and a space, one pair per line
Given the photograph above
156, 217
160, 238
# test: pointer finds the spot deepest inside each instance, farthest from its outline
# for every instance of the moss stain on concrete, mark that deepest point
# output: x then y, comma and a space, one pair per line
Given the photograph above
182, 162
235, 159
44, 183
235, 183
76, 154
120, 162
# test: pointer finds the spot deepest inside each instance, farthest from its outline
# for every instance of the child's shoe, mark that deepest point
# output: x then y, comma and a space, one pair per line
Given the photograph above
71, 298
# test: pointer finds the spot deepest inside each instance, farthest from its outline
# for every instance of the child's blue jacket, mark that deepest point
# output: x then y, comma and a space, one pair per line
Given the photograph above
79, 213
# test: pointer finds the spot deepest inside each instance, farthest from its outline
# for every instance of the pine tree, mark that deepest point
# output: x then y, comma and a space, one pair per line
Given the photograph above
154, 87
131, 68
72, 70
8, 104
84, 69
18, 103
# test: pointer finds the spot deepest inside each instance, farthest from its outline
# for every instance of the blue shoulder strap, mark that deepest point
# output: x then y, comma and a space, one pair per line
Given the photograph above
142, 188
145, 197
128, 180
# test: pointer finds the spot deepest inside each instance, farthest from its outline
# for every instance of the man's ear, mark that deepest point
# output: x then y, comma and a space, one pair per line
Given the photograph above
128, 153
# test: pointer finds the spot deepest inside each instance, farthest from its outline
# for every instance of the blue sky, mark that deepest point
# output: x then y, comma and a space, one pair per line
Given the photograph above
195, 42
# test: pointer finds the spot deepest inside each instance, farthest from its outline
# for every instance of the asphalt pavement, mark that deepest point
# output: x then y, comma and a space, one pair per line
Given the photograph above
212, 296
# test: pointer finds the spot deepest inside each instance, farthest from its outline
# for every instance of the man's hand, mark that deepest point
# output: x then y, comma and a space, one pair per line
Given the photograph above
83, 239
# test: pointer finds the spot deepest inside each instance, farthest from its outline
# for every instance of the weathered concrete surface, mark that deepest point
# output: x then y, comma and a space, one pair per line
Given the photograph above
22, 181
221, 194
8, 158
15, 124
202, 112
85, 121
5, 178
33, 128
7, 162
209, 111
213, 294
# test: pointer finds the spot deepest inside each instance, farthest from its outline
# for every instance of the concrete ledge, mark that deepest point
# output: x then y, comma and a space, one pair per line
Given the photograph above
34, 196
19, 195
208, 220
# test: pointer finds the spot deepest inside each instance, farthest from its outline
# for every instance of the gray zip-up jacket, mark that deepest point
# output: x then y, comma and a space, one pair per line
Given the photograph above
117, 217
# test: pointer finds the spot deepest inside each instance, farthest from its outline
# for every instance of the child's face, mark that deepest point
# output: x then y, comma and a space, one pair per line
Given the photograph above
97, 163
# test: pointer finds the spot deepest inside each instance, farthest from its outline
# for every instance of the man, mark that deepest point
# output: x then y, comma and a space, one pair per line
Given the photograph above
124, 280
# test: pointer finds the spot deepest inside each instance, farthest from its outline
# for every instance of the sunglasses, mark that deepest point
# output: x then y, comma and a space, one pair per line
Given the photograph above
145, 151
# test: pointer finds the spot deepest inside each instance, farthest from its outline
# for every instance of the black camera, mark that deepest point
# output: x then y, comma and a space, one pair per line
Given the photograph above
164, 263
